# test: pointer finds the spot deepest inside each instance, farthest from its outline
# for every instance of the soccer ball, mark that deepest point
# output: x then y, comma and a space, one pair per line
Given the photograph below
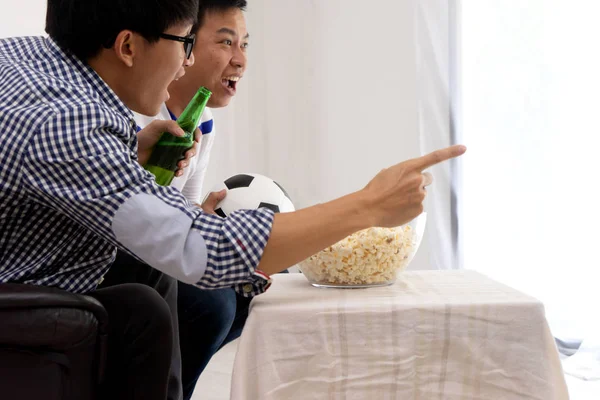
250, 192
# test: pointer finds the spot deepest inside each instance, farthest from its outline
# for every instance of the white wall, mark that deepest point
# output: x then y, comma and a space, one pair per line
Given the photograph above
22, 17
334, 103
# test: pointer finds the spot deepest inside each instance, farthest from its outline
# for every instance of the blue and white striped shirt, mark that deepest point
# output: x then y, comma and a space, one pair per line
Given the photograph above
72, 191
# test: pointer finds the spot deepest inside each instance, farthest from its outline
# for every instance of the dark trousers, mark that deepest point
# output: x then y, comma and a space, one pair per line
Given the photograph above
208, 320
143, 350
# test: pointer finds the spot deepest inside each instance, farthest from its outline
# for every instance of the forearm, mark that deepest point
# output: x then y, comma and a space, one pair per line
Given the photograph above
298, 235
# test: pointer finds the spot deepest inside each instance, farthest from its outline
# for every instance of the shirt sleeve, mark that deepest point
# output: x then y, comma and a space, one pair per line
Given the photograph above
192, 189
83, 164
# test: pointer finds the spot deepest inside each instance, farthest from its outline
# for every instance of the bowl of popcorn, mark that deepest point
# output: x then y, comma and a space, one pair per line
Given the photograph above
368, 258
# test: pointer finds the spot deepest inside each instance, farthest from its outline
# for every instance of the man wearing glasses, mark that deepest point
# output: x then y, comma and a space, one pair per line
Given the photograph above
70, 164
72, 190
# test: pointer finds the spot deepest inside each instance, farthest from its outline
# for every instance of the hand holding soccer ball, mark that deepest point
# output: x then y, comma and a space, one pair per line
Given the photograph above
247, 192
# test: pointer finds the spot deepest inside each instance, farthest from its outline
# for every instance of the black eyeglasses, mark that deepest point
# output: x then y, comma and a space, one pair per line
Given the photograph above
188, 42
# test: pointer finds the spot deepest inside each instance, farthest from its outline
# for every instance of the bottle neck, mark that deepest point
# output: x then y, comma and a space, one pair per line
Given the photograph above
190, 116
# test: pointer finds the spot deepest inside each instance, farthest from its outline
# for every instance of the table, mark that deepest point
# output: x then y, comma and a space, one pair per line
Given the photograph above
432, 335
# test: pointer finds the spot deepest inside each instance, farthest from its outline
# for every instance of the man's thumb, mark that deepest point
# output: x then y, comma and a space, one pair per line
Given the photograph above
214, 198
173, 128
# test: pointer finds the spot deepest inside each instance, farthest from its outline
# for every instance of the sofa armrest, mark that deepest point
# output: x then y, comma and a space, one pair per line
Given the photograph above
50, 318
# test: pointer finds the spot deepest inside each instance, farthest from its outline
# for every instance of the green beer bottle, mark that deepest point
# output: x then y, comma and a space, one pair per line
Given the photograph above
170, 149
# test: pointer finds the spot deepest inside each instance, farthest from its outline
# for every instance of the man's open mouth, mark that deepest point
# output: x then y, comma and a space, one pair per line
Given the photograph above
230, 82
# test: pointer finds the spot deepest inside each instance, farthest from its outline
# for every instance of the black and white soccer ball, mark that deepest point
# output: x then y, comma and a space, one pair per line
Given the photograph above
250, 192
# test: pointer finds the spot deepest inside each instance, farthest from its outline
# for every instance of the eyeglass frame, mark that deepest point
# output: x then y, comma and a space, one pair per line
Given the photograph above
188, 42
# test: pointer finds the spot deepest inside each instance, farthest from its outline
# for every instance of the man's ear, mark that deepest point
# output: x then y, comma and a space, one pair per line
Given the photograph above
126, 47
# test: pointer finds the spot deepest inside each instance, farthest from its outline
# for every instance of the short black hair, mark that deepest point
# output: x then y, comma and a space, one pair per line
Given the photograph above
216, 5
84, 27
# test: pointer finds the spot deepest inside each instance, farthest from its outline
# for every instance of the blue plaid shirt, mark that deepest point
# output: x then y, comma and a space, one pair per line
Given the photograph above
72, 191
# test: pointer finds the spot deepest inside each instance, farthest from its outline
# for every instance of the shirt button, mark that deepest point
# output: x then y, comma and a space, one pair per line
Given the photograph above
247, 288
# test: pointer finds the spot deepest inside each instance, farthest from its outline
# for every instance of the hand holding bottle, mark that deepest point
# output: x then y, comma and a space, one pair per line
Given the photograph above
170, 149
149, 136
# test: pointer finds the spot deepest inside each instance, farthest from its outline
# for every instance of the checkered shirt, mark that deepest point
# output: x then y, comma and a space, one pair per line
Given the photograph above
68, 161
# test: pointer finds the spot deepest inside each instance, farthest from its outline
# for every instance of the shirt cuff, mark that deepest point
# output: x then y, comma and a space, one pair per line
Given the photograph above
249, 232
260, 284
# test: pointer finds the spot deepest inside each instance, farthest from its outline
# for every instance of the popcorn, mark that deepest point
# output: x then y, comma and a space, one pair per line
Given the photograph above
370, 256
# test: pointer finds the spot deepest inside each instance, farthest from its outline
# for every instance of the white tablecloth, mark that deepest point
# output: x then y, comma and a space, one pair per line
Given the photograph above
433, 335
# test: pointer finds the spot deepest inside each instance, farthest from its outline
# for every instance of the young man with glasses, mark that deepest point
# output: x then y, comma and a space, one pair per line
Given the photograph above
72, 189
69, 164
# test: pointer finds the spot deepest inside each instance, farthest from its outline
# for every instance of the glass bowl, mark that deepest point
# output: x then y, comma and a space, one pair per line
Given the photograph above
368, 258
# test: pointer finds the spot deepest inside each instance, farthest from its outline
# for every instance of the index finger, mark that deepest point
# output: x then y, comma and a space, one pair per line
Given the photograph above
438, 156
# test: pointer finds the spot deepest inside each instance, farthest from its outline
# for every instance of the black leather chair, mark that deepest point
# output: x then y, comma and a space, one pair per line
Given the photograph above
52, 344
